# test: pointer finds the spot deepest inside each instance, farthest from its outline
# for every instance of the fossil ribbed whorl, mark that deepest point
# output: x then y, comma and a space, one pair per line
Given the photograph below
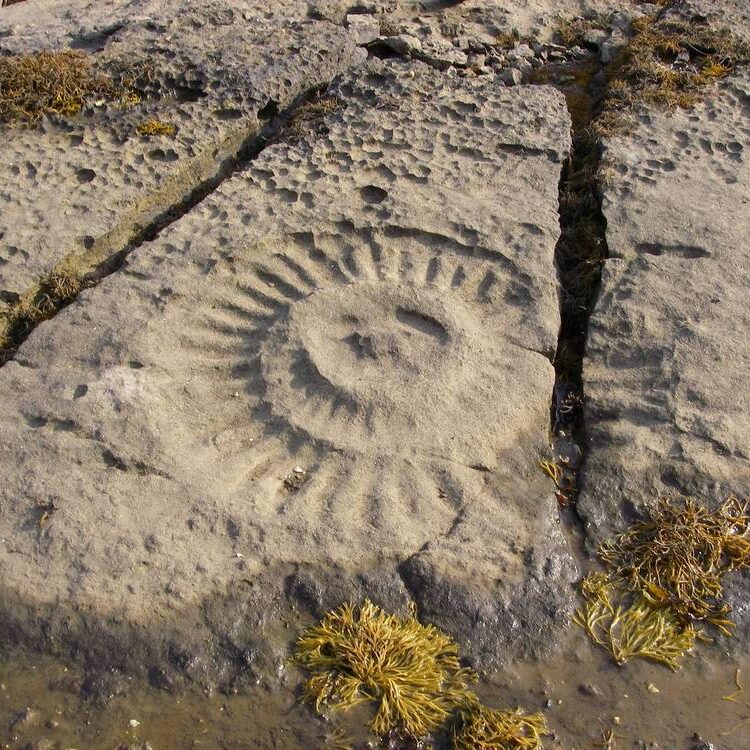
384, 365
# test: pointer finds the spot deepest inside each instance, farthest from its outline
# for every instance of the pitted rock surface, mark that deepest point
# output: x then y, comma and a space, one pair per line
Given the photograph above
78, 190
315, 361
666, 370
434, 22
375, 305
732, 15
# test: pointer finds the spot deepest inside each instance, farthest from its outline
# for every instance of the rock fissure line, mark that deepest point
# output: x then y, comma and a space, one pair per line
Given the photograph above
579, 256
180, 195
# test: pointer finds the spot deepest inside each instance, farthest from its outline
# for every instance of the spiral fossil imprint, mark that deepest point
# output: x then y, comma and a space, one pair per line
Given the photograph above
379, 363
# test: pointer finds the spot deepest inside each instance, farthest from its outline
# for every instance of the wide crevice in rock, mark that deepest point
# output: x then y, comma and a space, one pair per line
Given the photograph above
579, 256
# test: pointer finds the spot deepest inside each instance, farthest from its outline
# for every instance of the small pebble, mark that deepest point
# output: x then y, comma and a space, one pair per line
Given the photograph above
590, 689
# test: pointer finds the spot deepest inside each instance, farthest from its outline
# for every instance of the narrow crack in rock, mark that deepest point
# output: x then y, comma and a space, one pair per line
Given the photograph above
108, 253
579, 256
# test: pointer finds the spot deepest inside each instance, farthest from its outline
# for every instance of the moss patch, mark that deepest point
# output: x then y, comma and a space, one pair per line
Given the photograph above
59, 83
55, 291
310, 118
669, 62
155, 127
572, 32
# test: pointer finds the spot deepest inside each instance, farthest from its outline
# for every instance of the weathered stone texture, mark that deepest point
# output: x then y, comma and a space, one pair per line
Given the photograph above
666, 372
78, 190
374, 303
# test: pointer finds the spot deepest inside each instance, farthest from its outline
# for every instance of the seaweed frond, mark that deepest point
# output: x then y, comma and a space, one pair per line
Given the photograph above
564, 479
676, 558
408, 670
663, 576
338, 739
552, 470
478, 727
629, 626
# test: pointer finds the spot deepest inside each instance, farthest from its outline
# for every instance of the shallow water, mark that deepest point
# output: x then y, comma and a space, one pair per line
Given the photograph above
644, 705
582, 693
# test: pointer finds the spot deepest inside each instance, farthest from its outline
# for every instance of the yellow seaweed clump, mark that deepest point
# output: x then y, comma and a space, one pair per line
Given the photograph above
677, 557
631, 627
409, 671
50, 82
154, 126
478, 727
663, 577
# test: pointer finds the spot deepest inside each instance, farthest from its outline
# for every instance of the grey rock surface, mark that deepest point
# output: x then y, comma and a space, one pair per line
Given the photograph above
484, 22
364, 28
77, 191
329, 379
668, 355
733, 15
612, 45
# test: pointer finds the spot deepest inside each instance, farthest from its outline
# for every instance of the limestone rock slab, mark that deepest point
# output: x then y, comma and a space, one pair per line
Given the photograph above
666, 372
329, 379
481, 22
80, 189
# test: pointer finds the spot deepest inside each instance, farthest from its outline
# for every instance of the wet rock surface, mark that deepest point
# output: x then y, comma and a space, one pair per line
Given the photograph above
687, 712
